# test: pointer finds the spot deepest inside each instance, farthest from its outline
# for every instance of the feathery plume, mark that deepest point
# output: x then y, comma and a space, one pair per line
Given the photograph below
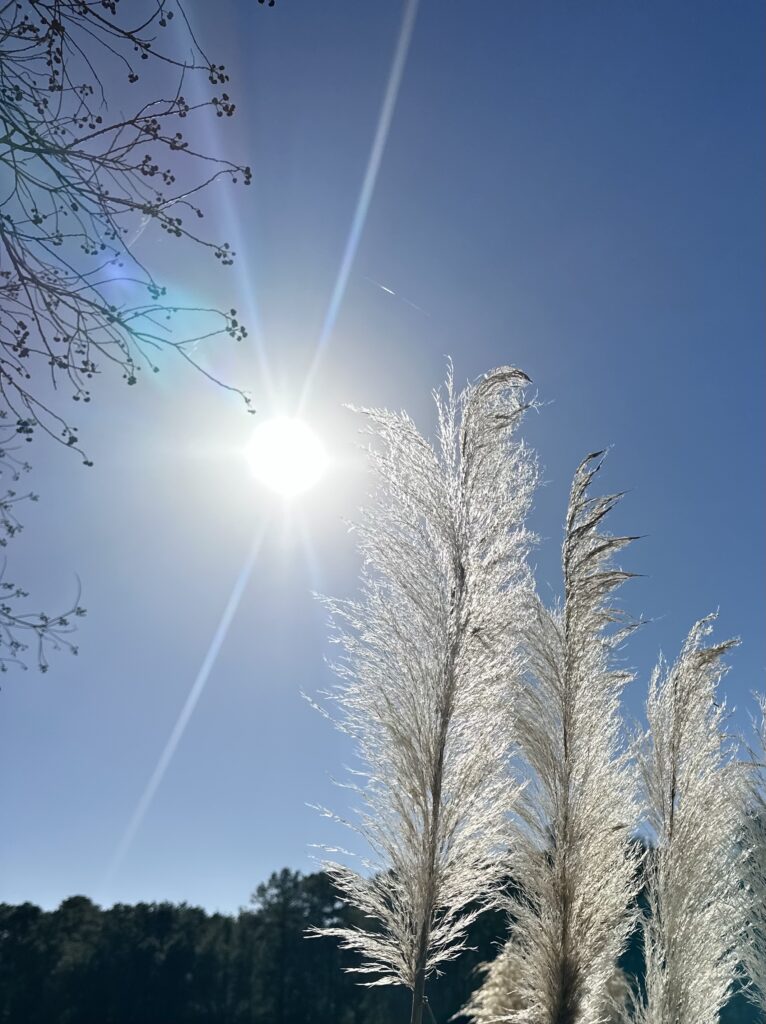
428, 654
691, 794
575, 865
498, 998
753, 950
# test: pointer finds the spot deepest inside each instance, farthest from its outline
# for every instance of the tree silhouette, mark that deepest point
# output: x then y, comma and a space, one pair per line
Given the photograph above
152, 963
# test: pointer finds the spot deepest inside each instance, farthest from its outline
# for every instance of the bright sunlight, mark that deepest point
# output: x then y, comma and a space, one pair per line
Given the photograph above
286, 455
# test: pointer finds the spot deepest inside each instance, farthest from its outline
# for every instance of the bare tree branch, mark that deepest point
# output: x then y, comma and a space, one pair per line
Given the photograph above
78, 184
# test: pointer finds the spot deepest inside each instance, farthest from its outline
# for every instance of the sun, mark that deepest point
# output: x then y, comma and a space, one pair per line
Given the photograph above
286, 455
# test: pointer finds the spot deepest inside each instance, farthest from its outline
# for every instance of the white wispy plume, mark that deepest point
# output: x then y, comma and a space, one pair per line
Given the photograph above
499, 997
430, 651
692, 796
753, 948
575, 864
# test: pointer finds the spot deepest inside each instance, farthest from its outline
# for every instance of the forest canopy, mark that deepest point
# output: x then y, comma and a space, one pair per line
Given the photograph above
165, 963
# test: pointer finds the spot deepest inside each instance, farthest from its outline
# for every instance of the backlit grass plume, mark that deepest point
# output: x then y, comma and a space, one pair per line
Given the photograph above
575, 865
691, 793
499, 997
429, 654
753, 949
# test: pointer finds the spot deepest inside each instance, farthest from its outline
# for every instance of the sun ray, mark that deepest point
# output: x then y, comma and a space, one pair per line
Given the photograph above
186, 712
233, 223
310, 556
368, 186
352, 243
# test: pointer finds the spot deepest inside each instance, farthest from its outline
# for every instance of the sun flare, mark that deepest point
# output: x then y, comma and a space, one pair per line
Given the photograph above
286, 455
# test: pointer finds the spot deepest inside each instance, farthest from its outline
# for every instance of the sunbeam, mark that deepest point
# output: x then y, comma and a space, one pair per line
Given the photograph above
368, 186
233, 228
187, 710
312, 562
352, 243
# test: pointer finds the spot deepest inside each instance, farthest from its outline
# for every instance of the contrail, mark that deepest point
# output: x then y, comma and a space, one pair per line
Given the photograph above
368, 185
396, 295
186, 711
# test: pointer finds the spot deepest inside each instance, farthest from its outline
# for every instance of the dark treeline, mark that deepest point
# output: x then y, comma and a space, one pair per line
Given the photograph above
165, 964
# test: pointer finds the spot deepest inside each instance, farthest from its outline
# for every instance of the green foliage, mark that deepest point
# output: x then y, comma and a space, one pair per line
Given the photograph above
166, 964
162, 963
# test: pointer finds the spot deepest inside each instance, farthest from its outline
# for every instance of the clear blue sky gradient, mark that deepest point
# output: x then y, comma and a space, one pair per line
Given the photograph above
575, 189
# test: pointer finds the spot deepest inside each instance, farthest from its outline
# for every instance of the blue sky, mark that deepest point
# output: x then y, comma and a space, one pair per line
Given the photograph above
575, 189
